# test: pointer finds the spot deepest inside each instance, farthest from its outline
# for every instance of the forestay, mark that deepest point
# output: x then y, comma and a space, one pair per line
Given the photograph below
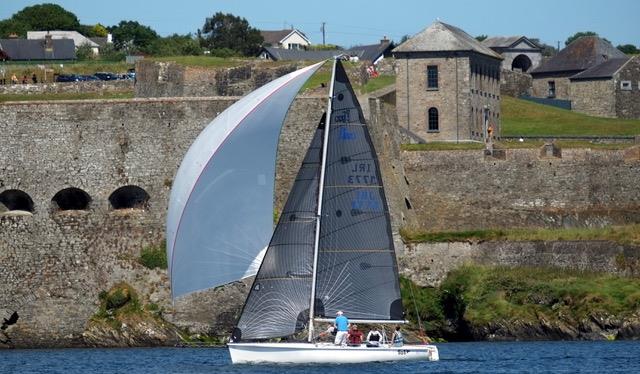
220, 214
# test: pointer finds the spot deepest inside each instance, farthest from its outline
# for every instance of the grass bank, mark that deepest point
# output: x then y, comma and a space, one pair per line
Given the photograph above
525, 118
478, 295
527, 144
629, 234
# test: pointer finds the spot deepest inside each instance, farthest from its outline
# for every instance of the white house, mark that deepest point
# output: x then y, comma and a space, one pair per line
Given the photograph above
77, 38
286, 39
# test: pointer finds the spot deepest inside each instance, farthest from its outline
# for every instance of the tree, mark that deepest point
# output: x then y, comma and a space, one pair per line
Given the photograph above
10, 26
579, 35
130, 36
228, 31
547, 50
99, 30
481, 38
175, 45
84, 52
45, 17
629, 49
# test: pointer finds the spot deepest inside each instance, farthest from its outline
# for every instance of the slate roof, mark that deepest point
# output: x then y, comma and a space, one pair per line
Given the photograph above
440, 37
364, 52
601, 71
25, 49
582, 54
507, 41
370, 52
99, 40
281, 54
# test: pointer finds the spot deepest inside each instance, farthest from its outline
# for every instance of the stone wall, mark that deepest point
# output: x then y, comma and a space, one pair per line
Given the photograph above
427, 264
54, 263
169, 79
122, 85
516, 84
594, 97
541, 87
465, 190
628, 102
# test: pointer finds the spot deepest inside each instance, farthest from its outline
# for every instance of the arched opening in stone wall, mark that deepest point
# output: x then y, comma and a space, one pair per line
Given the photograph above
15, 201
71, 199
521, 63
129, 197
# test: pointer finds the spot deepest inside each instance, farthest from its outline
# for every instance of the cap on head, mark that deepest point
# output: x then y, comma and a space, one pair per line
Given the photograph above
339, 313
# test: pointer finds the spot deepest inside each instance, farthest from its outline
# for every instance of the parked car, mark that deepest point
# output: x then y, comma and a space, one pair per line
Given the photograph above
68, 78
106, 76
89, 78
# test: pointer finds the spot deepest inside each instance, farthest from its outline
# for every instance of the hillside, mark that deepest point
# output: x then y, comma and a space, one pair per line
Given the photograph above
524, 118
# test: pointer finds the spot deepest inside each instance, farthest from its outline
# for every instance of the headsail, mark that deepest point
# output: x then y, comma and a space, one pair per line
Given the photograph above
357, 271
278, 303
220, 214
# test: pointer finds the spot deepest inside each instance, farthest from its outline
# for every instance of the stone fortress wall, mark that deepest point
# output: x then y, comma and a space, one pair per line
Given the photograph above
54, 263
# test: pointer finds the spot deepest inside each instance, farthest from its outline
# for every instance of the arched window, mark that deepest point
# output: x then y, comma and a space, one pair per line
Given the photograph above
129, 197
433, 120
15, 201
71, 199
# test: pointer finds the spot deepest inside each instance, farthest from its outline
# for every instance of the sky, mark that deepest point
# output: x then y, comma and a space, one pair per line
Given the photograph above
354, 22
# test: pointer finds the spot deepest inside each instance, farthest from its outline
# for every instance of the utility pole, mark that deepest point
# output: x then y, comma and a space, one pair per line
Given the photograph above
322, 29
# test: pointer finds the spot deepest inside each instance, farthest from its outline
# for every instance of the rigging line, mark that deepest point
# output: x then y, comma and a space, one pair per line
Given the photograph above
415, 305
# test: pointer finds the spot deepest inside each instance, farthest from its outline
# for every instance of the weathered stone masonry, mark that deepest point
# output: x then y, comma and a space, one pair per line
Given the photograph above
54, 263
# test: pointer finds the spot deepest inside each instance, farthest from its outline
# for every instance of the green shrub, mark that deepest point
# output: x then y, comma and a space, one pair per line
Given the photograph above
154, 256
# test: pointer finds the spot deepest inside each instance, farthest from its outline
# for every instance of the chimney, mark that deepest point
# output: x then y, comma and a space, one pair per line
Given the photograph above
384, 40
48, 42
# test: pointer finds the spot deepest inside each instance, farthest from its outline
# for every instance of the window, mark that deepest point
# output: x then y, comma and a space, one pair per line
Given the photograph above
433, 120
625, 85
552, 89
432, 77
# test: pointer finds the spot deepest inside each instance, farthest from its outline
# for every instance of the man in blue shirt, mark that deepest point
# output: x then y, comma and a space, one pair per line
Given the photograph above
342, 327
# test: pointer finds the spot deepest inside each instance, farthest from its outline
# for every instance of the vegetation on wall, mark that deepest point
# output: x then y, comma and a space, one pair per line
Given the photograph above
473, 296
629, 234
154, 256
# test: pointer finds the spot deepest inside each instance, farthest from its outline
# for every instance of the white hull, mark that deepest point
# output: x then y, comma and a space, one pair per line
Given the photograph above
326, 353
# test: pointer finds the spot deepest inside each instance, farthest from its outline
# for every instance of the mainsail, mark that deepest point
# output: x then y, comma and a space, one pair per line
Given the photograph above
357, 271
356, 268
220, 214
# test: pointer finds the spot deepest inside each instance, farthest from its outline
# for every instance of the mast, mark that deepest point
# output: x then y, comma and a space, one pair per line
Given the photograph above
323, 165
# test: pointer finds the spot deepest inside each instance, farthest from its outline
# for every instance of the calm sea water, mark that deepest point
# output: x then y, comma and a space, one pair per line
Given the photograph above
543, 357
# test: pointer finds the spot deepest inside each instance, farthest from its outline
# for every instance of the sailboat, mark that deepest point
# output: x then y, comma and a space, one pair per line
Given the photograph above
331, 250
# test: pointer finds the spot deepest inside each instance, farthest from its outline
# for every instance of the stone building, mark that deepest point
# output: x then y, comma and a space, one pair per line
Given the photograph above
551, 79
447, 85
610, 89
519, 52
